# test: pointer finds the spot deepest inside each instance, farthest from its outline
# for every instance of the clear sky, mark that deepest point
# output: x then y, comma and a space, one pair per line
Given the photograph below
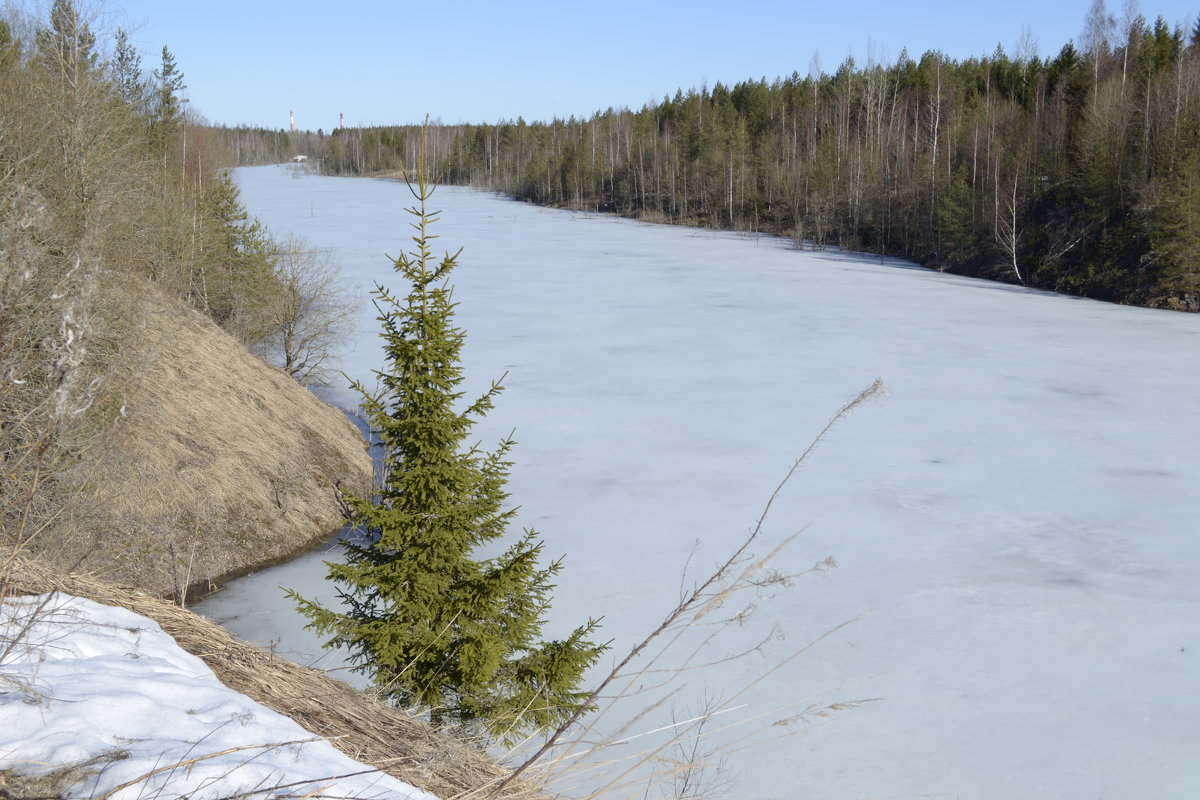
251, 62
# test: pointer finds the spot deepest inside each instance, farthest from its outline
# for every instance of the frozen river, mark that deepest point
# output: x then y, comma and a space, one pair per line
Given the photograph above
1015, 525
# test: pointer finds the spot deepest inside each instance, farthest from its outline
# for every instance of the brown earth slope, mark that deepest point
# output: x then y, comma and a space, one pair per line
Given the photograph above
208, 462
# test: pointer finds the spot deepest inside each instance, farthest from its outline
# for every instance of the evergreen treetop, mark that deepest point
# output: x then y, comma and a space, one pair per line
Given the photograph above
167, 102
68, 47
126, 71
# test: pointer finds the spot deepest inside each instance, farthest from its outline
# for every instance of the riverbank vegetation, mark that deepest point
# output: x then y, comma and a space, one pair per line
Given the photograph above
139, 434
145, 448
1074, 172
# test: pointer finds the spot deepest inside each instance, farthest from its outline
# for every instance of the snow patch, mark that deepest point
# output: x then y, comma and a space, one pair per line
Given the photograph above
99, 701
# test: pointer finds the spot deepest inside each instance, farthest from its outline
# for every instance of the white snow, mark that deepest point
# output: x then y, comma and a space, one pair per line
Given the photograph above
107, 691
1016, 523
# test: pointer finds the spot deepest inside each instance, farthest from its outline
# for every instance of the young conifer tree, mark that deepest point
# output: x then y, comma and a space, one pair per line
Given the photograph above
433, 623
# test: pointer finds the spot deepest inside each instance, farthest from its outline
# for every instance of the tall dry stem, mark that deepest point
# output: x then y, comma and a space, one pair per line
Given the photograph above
644, 667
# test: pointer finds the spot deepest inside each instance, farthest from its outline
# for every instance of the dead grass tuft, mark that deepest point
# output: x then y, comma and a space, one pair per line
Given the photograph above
53, 785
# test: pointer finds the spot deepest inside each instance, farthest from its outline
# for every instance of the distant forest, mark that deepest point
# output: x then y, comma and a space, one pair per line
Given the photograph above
1078, 173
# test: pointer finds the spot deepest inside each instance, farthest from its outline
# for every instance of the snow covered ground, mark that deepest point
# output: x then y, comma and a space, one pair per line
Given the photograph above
1015, 524
107, 693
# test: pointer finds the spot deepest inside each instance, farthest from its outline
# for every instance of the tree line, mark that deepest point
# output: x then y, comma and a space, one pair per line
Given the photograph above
1075, 172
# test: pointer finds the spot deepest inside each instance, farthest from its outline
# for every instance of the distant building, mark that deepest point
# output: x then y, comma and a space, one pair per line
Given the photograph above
299, 159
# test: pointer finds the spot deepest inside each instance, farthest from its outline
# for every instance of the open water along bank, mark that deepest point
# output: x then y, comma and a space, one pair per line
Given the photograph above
1014, 524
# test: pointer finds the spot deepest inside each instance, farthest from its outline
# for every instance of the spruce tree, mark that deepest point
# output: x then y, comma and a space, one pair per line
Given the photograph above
126, 69
955, 221
433, 622
9, 48
166, 112
1174, 227
234, 280
68, 48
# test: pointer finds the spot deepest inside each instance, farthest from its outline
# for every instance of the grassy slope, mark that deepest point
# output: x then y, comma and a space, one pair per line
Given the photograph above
208, 462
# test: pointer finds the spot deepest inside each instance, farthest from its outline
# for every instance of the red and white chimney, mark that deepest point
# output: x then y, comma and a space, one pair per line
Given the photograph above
292, 116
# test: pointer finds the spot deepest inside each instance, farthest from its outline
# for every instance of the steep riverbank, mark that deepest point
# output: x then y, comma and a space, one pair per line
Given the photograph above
214, 464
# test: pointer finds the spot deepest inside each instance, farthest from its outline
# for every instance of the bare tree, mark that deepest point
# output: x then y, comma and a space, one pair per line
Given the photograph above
1098, 30
1007, 228
1026, 49
1131, 22
315, 312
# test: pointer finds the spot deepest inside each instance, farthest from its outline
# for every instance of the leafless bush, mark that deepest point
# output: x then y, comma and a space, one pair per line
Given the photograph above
45, 319
45, 316
315, 312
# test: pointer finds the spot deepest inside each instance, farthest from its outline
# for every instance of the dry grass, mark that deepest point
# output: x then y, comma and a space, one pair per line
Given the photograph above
382, 737
19, 785
210, 462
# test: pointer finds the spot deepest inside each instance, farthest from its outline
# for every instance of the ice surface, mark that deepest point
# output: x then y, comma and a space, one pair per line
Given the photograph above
1015, 523
99, 686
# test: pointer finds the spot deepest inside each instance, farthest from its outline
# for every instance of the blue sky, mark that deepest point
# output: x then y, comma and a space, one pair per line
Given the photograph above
252, 62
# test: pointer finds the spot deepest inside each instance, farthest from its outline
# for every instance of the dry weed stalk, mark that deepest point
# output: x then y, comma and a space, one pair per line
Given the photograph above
187, 763
566, 749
